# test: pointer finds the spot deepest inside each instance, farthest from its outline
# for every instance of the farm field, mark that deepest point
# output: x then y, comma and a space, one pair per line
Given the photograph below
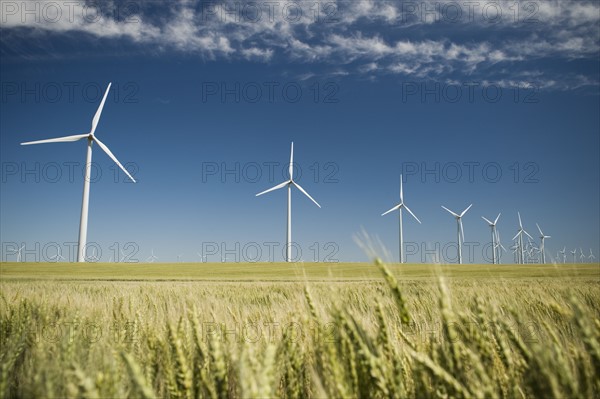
312, 330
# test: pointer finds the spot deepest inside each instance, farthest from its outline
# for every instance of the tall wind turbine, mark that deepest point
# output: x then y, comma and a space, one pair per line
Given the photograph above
591, 256
574, 253
91, 138
459, 232
519, 235
495, 238
581, 255
289, 184
19, 258
152, 258
399, 207
542, 239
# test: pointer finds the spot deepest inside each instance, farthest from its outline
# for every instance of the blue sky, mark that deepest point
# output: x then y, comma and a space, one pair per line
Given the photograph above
204, 105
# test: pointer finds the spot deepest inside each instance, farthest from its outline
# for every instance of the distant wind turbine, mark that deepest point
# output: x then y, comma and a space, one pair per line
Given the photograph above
581, 255
289, 183
519, 235
591, 256
564, 254
399, 208
495, 238
91, 138
542, 239
19, 253
460, 231
152, 258
574, 253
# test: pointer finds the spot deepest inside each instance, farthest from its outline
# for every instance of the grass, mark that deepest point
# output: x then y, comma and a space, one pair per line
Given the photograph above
284, 271
296, 331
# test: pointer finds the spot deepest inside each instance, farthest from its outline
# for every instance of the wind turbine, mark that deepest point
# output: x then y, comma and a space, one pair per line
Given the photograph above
591, 257
289, 184
179, 258
94, 257
399, 208
495, 238
57, 256
542, 238
519, 235
152, 258
581, 255
91, 138
564, 254
20, 249
459, 232
201, 257
574, 253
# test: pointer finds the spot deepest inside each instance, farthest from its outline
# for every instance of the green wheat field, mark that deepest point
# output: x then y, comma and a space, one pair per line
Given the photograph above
299, 330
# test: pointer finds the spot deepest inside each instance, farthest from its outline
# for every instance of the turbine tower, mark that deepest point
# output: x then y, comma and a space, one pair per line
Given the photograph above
542, 239
495, 239
459, 229
91, 138
289, 183
519, 235
564, 254
399, 208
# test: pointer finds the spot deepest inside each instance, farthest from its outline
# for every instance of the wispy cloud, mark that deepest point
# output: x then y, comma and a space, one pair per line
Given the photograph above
421, 39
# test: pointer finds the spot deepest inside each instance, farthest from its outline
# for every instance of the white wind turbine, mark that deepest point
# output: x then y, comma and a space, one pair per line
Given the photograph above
564, 254
581, 255
20, 249
399, 208
591, 256
151, 258
495, 239
289, 184
542, 239
91, 138
519, 235
574, 253
460, 232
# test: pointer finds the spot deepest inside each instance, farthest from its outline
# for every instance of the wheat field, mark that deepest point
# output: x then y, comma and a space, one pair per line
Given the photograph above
299, 331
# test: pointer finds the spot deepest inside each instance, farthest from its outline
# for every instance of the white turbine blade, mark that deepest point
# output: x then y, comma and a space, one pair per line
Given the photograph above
465, 211
111, 155
454, 214
291, 170
58, 139
497, 217
305, 193
413, 215
540, 230
401, 191
515, 237
520, 223
528, 234
99, 111
490, 223
277, 187
392, 210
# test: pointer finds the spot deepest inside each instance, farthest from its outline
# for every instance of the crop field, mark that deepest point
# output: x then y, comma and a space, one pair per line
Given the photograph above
299, 330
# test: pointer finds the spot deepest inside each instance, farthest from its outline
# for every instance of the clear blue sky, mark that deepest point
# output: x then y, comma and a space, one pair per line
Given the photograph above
197, 92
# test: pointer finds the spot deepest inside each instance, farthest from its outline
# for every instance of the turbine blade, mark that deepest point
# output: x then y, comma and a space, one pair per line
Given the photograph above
413, 215
465, 211
392, 210
515, 237
99, 111
454, 214
277, 187
58, 139
401, 191
540, 230
305, 193
528, 234
111, 155
497, 217
520, 223
490, 223
291, 170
